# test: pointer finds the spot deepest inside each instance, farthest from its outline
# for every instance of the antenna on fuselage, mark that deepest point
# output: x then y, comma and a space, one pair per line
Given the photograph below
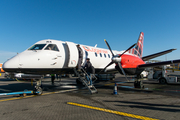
95, 46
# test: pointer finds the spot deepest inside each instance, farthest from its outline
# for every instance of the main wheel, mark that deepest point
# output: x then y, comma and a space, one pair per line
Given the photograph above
138, 84
162, 81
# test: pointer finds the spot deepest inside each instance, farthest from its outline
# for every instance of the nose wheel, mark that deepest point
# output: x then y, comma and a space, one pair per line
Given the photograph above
38, 88
37, 91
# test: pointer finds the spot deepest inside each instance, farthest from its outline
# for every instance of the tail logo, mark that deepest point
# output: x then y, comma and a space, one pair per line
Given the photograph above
138, 50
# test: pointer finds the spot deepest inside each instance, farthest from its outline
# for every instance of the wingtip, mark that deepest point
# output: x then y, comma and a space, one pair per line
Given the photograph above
173, 49
104, 39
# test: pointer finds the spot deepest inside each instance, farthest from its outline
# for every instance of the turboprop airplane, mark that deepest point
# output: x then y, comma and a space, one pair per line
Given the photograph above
58, 57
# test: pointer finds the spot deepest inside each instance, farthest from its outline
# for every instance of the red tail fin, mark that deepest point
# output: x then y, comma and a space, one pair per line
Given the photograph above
138, 50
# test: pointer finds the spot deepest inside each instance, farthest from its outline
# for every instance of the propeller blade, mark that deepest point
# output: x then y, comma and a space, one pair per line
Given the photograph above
127, 49
106, 67
109, 47
120, 66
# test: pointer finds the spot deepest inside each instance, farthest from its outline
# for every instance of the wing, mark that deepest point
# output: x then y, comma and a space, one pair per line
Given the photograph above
157, 54
159, 63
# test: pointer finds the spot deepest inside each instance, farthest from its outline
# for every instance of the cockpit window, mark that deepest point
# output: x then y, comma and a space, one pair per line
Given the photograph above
52, 47
37, 47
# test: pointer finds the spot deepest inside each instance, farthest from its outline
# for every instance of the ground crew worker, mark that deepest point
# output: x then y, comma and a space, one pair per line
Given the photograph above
80, 57
89, 69
52, 78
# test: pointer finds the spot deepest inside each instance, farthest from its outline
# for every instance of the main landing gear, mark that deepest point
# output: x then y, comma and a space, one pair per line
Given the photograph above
38, 87
138, 83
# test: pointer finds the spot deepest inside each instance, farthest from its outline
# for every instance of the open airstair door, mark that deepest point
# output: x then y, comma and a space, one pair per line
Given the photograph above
73, 54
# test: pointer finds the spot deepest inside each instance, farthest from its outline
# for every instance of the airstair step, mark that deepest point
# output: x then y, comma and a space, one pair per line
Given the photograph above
85, 82
93, 91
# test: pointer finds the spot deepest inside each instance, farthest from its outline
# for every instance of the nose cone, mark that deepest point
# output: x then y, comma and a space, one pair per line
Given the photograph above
11, 64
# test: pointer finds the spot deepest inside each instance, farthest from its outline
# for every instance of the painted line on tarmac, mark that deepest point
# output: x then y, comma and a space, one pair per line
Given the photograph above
17, 98
112, 111
37, 95
59, 91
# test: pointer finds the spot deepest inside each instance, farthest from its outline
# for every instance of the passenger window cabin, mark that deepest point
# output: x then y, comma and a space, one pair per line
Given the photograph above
95, 54
100, 54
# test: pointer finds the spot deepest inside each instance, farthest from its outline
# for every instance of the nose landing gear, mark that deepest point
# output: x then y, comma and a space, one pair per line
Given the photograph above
38, 87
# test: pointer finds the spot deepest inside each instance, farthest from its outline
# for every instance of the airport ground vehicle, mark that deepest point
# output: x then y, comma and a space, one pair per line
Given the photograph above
169, 80
163, 77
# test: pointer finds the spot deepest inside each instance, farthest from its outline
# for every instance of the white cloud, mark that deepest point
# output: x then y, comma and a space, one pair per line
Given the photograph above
5, 55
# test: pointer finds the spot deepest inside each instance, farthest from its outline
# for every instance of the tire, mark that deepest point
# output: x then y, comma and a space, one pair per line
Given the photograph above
138, 84
162, 81
39, 90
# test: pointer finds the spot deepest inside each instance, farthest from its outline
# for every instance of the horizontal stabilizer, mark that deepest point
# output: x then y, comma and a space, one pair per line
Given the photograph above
157, 54
159, 63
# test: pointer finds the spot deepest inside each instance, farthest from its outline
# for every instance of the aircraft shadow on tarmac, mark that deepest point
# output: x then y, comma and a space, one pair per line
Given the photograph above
15, 87
150, 106
10, 85
7, 80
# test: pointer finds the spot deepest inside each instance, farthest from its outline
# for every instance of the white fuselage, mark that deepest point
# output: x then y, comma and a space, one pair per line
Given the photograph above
63, 55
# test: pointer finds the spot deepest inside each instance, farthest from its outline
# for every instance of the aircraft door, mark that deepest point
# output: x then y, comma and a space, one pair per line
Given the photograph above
73, 54
54, 56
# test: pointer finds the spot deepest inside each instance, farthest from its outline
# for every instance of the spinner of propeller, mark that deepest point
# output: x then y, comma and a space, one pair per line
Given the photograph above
117, 59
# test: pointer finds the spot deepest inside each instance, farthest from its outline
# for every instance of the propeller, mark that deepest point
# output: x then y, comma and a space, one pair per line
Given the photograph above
128, 49
117, 59
109, 47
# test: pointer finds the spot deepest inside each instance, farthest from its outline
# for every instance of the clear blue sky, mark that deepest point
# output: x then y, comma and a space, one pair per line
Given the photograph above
89, 22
